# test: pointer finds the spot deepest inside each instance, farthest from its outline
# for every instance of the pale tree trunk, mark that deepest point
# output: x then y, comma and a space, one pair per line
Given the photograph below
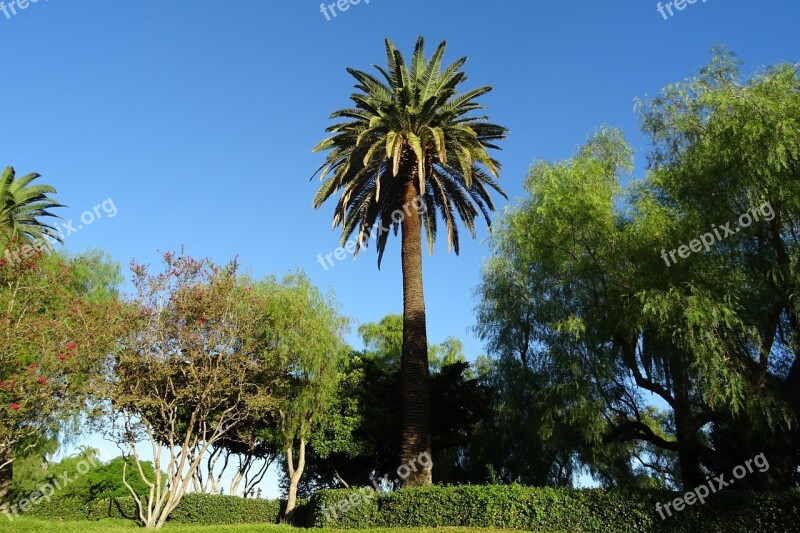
197, 482
235, 481
166, 490
6, 473
295, 473
340, 479
211, 484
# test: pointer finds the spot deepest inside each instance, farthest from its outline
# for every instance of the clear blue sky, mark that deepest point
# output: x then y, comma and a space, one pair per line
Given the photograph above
197, 117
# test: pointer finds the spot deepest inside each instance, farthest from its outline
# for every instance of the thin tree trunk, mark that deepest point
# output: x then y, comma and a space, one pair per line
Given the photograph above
251, 482
6, 473
295, 473
415, 387
340, 479
235, 481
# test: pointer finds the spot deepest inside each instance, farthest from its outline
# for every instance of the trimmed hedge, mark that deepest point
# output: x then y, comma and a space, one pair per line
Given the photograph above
211, 509
206, 509
67, 508
497, 506
552, 509
124, 507
216, 509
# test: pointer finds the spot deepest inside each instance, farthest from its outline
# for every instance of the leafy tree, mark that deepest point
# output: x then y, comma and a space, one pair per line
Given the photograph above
360, 438
60, 318
411, 148
461, 406
447, 353
383, 340
23, 206
559, 299
103, 480
306, 333
727, 154
34, 471
579, 287
30, 469
106, 481
195, 364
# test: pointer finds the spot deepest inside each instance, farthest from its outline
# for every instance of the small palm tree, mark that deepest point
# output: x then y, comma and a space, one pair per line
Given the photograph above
409, 152
22, 206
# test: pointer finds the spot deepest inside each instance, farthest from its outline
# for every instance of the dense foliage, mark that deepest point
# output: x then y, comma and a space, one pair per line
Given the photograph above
651, 369
59, 317
201, 509
553, 510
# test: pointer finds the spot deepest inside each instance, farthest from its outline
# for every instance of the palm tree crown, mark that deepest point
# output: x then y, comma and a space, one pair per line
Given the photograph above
411, 126
22, 205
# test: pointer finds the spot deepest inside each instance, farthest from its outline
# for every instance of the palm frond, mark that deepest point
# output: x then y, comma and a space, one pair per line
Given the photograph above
23, 205
411, 131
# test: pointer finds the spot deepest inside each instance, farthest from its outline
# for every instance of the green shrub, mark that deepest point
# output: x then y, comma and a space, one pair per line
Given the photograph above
60, 508
203, 509
215, 509
551, 509
324, 510
105, 481
122, 507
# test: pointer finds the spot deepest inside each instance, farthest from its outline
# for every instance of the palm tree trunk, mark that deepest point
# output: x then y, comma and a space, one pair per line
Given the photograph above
415, 388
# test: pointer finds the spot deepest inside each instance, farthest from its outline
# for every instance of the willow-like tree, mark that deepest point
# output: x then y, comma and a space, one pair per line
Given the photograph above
307, 335
410, 148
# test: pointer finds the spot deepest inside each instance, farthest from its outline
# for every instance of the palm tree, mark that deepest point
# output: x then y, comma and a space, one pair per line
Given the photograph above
22, 205
410, 150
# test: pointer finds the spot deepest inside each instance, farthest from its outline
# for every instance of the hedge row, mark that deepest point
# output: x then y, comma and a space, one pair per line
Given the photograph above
60, 508
550, 509
208, 509
514, 506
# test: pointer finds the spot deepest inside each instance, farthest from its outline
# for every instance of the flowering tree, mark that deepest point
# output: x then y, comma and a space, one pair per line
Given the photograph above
194, 366
59, 317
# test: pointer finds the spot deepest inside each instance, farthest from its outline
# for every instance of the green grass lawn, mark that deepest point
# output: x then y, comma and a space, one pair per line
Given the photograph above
29, 525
